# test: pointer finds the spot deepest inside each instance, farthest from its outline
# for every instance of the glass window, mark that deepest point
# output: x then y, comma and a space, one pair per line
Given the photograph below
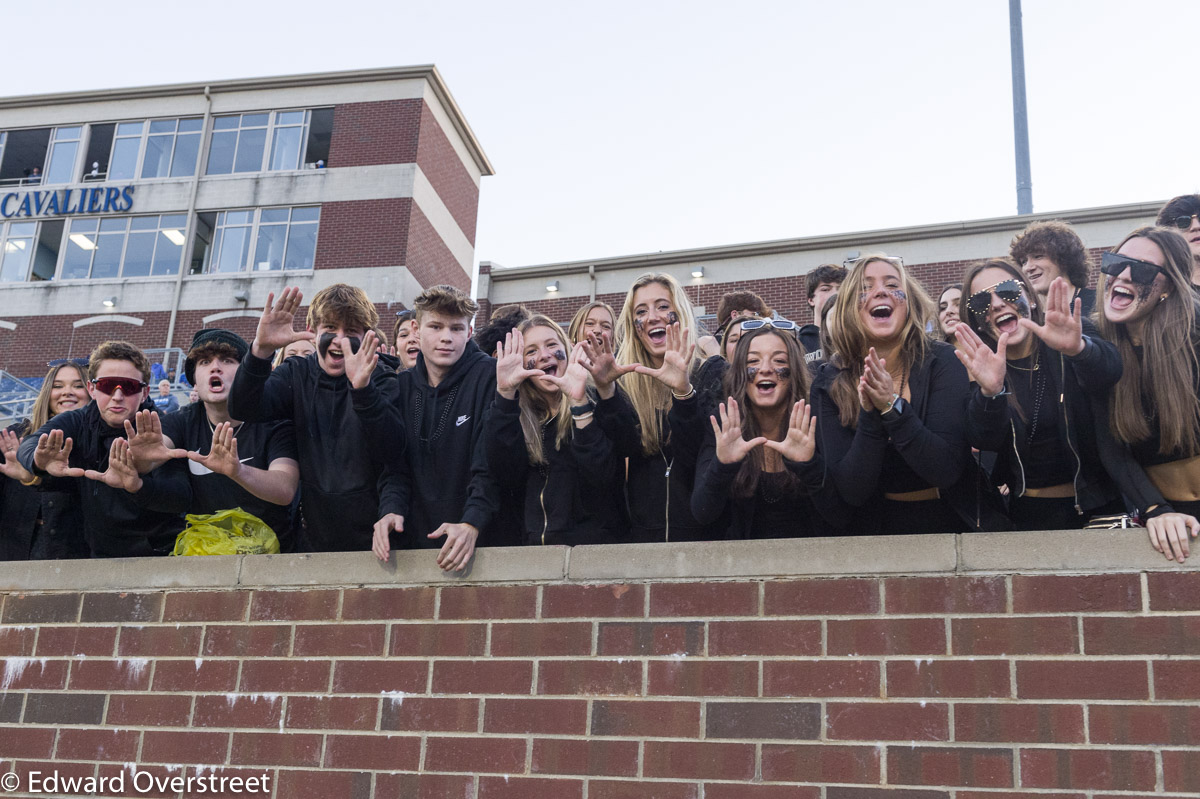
172, 148
239, 142
17, 252
64, 152
279, 238
288, 138
3, 138
45, 257
129, 246
302, 238
126, 145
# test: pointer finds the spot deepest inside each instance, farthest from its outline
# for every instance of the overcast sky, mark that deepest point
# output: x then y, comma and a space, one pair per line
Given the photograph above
628, 127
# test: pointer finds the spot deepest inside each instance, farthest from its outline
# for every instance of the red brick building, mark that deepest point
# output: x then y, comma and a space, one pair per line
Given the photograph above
146, 214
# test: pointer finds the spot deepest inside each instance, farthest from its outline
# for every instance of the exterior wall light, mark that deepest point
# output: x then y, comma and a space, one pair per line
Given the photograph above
698, 271
552, 285
110, 302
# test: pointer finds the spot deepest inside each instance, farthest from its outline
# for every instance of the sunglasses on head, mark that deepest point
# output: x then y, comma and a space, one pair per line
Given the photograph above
1139, 271
778, 324
109, 385
1007, 290
1183, 222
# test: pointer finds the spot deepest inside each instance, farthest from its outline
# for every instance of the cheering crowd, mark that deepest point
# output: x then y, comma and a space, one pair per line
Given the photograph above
1021, 400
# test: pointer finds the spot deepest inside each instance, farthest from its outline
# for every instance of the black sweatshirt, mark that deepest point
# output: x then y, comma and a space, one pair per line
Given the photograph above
446, 474
39, 523
343, 479
116, 524
924, 447
575, 496
993, 425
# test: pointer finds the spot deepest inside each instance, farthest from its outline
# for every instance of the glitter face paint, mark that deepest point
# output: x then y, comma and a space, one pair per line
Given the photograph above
899, 295
559, 355
672, 318
531, 364
782, 372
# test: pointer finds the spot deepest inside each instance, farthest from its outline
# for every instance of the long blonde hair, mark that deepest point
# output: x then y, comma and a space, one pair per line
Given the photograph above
581, 316
649, 397
535, 411
1165, 378
850, 340
41, 406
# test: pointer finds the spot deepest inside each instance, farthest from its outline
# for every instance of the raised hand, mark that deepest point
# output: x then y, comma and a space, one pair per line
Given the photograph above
573, 382
275, 324
731, 447
510, 365
10, 466
985, 367
53, 455
876, 381
222, 457
121, 472
146, 443
800, 443
1063, 330
359, 365
380, 543
1169, 534
601, 362
674, 372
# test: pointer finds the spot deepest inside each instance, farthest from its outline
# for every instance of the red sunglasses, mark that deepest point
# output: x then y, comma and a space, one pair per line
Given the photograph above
109, 385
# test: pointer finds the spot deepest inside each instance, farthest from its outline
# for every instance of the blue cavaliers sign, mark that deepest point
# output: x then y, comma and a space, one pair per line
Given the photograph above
100, 200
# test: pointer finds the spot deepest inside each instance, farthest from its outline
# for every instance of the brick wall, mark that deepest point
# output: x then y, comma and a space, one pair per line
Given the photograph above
359, 233
428, 257
440, 164
365, 134
930, 667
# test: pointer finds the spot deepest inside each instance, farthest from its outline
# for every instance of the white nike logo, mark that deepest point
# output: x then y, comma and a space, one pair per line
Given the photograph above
200, 469
461, 420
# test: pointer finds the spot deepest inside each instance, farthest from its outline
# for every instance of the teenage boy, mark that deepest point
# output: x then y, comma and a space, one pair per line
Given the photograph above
819, 285
124, 514
1183, 214
330, 398
248, 465
444, 398
1046, 250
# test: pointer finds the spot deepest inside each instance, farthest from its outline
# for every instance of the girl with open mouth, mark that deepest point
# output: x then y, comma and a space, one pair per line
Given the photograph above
1033, 371
1151, 444
889, 405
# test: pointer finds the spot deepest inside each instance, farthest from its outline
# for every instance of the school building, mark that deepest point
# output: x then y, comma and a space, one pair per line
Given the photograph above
148, 213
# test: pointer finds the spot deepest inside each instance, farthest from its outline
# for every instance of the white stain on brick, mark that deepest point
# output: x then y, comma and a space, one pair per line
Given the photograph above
395, 697
15, 667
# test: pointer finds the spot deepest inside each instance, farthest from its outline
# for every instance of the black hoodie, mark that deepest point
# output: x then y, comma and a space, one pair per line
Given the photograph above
572, 498
343, 481
445, 465
116, 524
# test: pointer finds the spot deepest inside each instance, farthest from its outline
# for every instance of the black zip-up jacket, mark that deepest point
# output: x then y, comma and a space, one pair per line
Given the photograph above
924, 447
343, 479
447, 478
116, 524
575, 496
37, 523
993, 425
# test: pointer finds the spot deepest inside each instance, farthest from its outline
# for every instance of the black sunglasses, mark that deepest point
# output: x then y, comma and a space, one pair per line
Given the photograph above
1007, 290
1139, 271
1183, 222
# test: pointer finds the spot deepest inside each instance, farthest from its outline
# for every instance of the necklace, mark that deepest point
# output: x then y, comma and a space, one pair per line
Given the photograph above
1038, 387
213, 430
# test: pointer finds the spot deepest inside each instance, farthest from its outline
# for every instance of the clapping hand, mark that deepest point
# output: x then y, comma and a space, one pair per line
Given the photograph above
360, 365
876, 385
674, 372
510, 364
1063, 329
985, 367
800, 443
731, 447
275, 324
121, 472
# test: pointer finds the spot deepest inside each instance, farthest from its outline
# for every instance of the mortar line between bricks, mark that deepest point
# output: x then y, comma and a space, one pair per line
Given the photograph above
1159, 780
1145, 586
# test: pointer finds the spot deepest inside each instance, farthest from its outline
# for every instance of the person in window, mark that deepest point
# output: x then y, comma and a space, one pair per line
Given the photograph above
890, 410
449, 497
85, 450
541, 440
595, 317
1049, 250
760, 459
39, 523
165, 402
404, 335
1183, 214
330, 399
33, 177
1034, 369
656, 420
1151, 443
947, 312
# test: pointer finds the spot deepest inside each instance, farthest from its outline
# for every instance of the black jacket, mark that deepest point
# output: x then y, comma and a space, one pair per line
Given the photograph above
924, 447
573, 498
810, 339
37, 523
116, 524
446, 474
343, 479
993, 425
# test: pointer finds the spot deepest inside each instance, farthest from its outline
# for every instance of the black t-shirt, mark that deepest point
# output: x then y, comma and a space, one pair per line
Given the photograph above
1049, 463
259, 443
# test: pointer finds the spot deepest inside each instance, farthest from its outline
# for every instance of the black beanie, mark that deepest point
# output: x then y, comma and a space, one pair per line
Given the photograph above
213, 336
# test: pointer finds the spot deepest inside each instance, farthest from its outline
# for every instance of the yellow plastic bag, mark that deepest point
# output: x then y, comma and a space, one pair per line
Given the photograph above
230, 532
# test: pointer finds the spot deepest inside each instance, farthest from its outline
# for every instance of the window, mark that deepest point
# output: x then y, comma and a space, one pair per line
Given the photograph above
64, 152
277, 238
172, 148
272, 141
128, 246
126, 147
28, 253
24, 152
95, 162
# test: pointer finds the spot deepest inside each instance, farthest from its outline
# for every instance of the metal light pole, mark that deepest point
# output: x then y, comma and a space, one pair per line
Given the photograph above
1020, 115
